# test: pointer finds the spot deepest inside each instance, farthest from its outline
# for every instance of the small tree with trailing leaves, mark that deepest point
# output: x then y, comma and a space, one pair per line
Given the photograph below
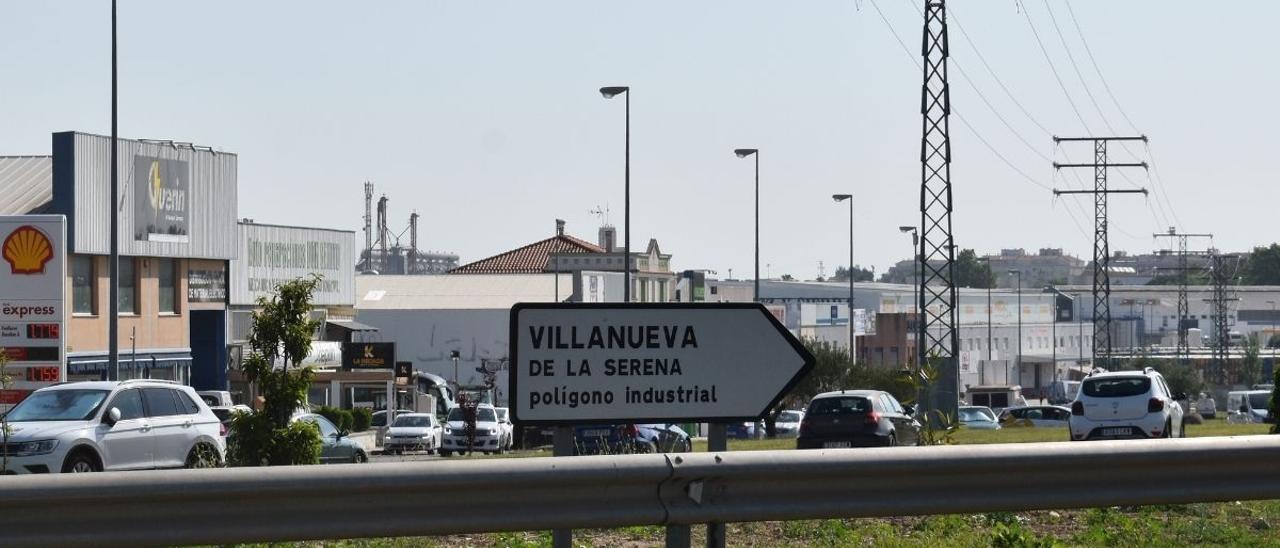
281, 334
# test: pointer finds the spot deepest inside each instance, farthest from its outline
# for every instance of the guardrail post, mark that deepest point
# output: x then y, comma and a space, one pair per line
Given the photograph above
562, 446
717, 441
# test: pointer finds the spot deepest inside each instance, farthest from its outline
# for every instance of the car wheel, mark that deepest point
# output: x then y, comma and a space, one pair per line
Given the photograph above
688, 445
499, 450
203, 456
360, 458
893, 440
645, 447
446, 454
1168, 429
81, 462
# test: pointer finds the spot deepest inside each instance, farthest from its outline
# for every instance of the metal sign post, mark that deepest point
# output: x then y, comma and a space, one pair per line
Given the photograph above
615, 363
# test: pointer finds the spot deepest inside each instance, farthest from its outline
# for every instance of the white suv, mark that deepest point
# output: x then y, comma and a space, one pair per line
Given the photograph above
108, 425
1126, 405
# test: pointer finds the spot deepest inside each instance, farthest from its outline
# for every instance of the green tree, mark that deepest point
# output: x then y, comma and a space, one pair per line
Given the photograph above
859, 274
970, 272
1263, 266
281, 334
1251, 367
1181, 377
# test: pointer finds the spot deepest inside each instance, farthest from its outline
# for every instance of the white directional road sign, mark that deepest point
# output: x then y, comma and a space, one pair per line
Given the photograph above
615, 362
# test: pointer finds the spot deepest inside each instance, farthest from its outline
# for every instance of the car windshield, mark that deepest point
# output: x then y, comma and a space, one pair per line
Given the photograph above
1260, 401
789, 416
840, 406
483, 414
976, 414
1116, 387
412, 421
59, 405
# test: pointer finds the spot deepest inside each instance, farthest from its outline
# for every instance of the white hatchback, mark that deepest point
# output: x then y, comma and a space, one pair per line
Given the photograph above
488, 433
1126, 405
108, 425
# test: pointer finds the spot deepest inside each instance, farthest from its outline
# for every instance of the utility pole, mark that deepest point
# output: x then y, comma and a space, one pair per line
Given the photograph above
1220, 301
1101, 247
1180, 239
938, 335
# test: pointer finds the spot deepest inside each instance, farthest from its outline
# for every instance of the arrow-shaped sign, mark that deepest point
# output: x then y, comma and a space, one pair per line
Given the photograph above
616, 362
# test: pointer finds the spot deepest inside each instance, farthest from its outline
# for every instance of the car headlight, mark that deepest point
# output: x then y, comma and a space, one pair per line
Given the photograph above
27, 449
425, 437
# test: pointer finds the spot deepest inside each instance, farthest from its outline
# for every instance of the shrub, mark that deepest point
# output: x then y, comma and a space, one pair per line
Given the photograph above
362, 419
258, 442
342, 418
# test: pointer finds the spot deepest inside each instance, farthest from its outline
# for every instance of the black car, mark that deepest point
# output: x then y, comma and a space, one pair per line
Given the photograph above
857, 418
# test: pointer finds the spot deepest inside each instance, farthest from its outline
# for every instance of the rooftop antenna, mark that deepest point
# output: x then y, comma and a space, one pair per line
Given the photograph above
601, 213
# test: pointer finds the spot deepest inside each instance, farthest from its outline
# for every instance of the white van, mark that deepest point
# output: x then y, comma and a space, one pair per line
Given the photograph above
1248, 405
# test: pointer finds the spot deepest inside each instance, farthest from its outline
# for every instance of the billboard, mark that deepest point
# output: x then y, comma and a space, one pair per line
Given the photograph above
161, 205
271, 255
32, 308
373, 355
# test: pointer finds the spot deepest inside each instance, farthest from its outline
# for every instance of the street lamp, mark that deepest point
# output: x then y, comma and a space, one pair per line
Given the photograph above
849, 198
743, 153
610, 92
1018, 273
915, 293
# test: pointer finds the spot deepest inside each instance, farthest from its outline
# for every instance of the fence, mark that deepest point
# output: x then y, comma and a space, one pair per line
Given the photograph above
431, 498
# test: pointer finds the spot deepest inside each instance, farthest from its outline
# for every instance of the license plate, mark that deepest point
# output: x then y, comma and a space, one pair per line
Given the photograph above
603, 433
836, 445
1125, 431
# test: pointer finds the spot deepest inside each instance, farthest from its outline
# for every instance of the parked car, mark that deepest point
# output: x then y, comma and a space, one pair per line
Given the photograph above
788, 424
413, 432
1041, 416
1126, 404
336, 446
745, 430
996, 397
379, 424
1248, 405
109, 425
508, 429
978, 418
224, 414
1062, 392
488, 433
1206, 406
631, 438
857, 418
216, 398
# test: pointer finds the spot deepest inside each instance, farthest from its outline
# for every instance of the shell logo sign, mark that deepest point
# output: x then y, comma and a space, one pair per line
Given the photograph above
27, 250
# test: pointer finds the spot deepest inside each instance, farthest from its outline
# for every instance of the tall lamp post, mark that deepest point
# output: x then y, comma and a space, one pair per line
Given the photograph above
1018, 273
1272, 322
610, 92
849, 198
743, 153
113, 261
915, 293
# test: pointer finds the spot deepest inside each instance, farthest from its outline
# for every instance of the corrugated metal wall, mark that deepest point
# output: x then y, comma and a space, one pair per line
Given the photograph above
82, 184
270, 254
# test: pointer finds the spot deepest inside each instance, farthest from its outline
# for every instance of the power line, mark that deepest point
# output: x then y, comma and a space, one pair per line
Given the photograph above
992, 72
1054, 69
1094, 61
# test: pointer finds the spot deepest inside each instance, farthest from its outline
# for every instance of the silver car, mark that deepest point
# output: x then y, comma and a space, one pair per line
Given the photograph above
977, 417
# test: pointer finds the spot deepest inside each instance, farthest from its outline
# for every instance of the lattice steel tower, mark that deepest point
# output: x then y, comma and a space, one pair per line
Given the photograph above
937, 335
1180, 239
1101, 247
1221, 272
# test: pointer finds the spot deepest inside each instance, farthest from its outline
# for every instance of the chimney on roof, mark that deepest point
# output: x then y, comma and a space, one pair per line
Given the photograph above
559, 227
608, 238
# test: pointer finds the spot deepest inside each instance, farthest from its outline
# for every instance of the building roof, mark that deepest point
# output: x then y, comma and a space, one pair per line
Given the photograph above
530, 259
473, 292
26, 184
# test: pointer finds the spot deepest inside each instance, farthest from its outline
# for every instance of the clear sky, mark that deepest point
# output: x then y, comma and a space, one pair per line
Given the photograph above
485, 119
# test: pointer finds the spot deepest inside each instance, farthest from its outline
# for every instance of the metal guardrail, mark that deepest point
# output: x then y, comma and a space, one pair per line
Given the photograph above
432, 498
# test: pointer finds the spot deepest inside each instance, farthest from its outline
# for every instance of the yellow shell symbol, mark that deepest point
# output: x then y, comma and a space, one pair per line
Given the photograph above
27, 249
